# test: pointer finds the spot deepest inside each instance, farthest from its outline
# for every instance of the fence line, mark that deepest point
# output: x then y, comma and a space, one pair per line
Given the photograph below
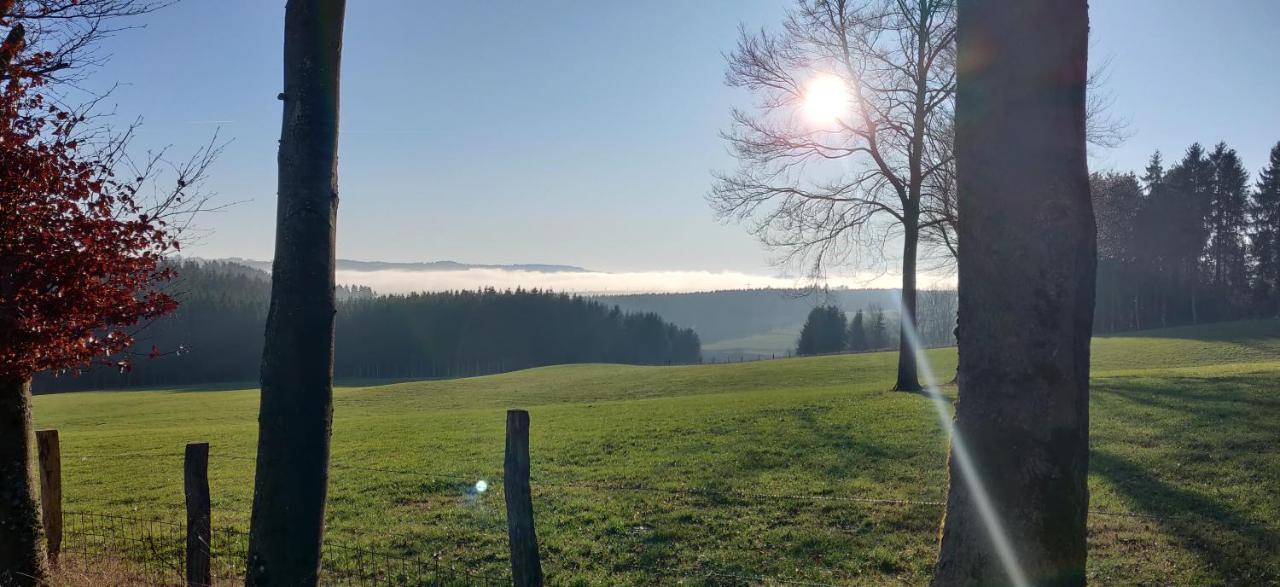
494, 482
157, 554
159, 546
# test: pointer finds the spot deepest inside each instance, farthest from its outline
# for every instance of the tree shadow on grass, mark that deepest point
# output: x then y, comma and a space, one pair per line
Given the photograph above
1251, 332
1235, 548
1246, 397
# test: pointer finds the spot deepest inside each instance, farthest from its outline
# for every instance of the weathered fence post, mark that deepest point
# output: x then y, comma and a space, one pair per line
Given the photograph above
50, 490
199, 529
526, 569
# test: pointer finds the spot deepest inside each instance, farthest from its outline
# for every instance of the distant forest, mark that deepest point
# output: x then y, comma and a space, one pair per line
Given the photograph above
216, 334
724, 315
1192, 243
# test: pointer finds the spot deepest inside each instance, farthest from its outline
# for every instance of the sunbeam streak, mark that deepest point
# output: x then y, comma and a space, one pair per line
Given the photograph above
960, 454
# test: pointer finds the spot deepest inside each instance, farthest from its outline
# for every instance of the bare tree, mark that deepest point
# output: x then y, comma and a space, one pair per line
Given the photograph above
895, 61
69, 31
1018, 498
296, 414
936, 317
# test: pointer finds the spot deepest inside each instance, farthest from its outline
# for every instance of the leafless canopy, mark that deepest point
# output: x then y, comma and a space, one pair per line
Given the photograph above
821, 193
66, 34
70, 30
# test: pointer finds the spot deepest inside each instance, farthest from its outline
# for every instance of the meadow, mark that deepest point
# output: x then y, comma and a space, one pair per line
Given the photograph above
805, 469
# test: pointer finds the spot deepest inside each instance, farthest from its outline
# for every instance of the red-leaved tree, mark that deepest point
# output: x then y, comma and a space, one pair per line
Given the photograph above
81, 255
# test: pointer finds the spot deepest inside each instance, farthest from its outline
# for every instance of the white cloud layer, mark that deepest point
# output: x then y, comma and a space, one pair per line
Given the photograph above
395, 281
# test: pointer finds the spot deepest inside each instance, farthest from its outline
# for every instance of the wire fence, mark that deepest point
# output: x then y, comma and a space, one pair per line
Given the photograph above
494, 481
150, 550
139, 549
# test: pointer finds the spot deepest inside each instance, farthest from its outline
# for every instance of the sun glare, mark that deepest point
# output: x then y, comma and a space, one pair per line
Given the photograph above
826, 99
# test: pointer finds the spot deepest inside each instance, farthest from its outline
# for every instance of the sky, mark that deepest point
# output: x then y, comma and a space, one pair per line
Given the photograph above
586, 133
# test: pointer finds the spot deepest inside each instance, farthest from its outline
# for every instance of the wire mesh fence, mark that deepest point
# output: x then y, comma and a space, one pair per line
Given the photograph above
139, 550
150, 549
130, 548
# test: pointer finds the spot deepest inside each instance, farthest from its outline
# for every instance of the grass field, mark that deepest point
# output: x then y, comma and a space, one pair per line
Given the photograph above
776, 342
1185, 432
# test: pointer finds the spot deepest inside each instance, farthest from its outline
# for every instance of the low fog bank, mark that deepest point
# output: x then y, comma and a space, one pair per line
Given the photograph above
594, 282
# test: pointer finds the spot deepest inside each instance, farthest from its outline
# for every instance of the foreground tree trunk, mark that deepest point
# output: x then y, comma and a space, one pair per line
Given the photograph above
22, 554
296, 412
1026, 291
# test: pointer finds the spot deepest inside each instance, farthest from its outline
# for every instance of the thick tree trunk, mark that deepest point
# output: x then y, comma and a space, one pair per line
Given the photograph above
1027, 274
908, 378
296, 412
22, 553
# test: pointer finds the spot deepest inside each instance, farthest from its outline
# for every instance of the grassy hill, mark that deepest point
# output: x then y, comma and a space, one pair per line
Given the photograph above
786, 459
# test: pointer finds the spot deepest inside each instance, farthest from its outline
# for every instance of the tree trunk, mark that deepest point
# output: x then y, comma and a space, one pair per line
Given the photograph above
22, 555
908, 379
1027, 274
296, 412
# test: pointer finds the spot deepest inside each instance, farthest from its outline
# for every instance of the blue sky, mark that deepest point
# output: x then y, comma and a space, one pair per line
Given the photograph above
585, 133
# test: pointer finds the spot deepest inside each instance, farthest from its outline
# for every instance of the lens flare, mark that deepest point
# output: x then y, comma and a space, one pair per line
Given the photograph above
960, 455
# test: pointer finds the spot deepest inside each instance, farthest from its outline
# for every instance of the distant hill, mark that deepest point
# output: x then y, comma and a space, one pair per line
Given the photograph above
215, 334
353, 265
732, 324
750, 322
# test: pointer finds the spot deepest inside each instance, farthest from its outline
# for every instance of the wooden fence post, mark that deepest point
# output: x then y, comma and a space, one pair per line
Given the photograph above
526, 569
50, 490
196, 486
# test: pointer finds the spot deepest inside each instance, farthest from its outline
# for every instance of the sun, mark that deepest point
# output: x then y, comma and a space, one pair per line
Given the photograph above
826, 99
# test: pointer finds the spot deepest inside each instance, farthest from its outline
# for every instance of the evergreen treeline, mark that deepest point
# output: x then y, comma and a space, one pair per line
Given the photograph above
216, 333
829, 330
730, 314
450, 333
1191, 243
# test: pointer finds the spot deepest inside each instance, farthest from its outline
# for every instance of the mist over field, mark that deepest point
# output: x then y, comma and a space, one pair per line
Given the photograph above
394, 281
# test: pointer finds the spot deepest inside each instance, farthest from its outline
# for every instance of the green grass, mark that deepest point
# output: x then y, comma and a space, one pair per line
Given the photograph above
1185, 428
775, 342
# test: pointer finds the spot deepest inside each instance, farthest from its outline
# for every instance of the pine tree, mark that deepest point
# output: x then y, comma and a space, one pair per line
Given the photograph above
1227, 223
1117, 202
878, 333
823, 331
1153, 175
1181, 225
857, 338
1264, 218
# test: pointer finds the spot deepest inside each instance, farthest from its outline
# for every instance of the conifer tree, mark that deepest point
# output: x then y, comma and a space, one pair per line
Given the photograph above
1264, 218
878, 332
1227, 224
857, 338
1153, 175
823, 331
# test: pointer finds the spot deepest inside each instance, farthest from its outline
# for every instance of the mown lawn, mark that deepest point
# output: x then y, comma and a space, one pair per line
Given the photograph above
782, 455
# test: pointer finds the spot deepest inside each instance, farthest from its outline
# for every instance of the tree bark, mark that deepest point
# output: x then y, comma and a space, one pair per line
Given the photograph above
1027, 274
295, 417
22, 554
908, 378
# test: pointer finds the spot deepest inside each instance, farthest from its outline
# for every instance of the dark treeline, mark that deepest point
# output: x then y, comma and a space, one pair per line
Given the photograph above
216, 334
730, 314
1192, 243
442, 334
828, 329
